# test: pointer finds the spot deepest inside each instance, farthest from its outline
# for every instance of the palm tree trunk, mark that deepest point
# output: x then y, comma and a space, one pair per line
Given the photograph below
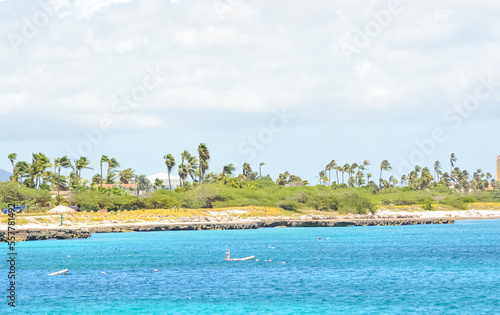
101, 174
380, 180
169, 183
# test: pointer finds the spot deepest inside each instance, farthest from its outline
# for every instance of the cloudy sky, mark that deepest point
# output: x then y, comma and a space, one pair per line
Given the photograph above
293, 84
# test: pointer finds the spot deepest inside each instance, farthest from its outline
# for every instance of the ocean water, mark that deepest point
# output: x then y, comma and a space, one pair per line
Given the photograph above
421, 269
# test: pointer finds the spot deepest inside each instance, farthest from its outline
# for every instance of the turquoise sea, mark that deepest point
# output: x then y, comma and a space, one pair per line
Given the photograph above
421, 269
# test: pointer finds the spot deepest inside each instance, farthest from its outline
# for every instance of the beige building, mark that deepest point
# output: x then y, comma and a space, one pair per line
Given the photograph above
498, 168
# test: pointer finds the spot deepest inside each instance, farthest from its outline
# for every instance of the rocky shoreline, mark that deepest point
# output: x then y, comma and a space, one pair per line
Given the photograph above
37, 234
62, 232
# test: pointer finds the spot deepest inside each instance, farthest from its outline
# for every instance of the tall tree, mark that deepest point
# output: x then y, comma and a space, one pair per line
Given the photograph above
329, 167
437, 170
81, 164
403, 179
260, 168
384, 166
322, 177
426, 178
158, 184
12, 157
104, 159
22, 169
368, 176
170, 163
183, 173
39, 164
142, 183
345, 168
110, 172
453, 160
228, 169
247, 169
191, 166
126, 175
392, 181
204, 156
62, 162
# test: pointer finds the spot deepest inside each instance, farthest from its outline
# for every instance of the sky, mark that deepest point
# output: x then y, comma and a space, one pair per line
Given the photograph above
293, 84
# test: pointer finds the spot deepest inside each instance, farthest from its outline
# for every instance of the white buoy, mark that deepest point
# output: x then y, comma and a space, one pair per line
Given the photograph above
59, 273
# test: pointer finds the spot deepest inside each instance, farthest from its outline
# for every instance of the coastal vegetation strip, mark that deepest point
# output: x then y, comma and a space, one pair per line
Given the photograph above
342, 189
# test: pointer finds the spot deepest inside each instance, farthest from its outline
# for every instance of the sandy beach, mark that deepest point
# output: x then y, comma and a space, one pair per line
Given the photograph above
234, 216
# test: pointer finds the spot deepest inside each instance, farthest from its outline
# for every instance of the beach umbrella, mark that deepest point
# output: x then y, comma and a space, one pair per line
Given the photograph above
61, 209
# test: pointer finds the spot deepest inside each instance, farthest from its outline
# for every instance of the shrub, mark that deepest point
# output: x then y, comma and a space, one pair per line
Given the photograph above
324, 201
428, 205
351, 202
454, 202
289, 205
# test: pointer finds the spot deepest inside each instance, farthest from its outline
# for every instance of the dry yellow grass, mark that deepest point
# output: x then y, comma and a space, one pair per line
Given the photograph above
175, 214
485, 206
161, 215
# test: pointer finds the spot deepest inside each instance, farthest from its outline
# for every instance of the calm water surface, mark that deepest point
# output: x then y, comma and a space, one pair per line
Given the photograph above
427, 269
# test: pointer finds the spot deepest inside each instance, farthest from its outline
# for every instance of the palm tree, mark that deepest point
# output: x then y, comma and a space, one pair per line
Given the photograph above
204, 156
185, 156
96, 180
104, 159
228, 169
488, 178
437, 170
359, 178
329, 167
337, 169
158, 184
366, 163
80, 164
354, 166
183, 173
322, 177
384, 166
344, 169
454, 174
368, 176
247, 169
12, 157
22, 168
39, 164
392, 181
192, 165
403, 179
170, 163
453, 160
260, 168
126, 175
142, 183
62, 162
110, 175
59, 181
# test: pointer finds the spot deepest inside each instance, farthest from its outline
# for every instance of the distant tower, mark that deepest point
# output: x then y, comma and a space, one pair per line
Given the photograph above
498, 168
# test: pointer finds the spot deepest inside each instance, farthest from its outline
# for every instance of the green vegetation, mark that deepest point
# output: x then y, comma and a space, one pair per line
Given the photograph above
353, 191
12, 193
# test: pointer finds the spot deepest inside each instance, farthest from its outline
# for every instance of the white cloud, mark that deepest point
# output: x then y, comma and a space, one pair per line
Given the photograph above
261, 56
85, 8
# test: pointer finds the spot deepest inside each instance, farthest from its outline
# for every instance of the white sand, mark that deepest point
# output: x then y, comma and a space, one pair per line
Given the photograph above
442, 214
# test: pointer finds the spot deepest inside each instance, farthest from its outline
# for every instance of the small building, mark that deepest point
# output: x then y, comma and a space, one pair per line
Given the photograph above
174, 180
129, 188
